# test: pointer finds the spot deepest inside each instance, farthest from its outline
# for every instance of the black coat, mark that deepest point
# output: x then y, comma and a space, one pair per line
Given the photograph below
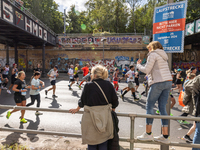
113, 144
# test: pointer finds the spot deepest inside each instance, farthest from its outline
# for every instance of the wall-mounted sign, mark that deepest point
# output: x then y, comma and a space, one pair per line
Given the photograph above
189, 29
18, 18
169, 26
197, 26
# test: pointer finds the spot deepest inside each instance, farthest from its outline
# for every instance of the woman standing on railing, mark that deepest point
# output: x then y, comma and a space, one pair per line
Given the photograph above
160, 82
20, 90
96, 98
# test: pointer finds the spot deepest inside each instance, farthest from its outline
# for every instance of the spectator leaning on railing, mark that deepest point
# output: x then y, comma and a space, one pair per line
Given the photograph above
96, 98
160, 82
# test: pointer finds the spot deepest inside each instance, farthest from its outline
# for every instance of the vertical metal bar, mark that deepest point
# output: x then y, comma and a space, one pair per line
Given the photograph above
16, 52
103, 51
7, 53
43, 60
132, 133
166, 147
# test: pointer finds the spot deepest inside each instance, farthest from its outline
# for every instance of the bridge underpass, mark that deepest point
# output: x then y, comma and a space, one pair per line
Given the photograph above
18, 27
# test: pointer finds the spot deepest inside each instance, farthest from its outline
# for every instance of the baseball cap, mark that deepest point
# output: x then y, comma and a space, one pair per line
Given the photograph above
179, 70
7, 64
56, 66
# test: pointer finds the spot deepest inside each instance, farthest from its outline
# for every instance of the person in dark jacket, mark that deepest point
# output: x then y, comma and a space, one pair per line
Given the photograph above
92, 96
196, 96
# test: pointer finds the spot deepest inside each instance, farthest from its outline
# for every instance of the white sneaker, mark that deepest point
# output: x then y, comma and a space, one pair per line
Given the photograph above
8, 91
4, 88
145, 137
38, 113
162, 139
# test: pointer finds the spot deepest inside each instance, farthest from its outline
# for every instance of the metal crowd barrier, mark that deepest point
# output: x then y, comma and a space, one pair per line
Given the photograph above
132, 117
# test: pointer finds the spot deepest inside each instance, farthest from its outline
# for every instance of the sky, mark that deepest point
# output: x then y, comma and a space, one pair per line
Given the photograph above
79, 4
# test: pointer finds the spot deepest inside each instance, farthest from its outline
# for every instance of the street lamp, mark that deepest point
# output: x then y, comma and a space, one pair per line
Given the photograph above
102, 40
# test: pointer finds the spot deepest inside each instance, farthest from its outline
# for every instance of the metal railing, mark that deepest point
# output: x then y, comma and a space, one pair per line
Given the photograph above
29, 14
132, 117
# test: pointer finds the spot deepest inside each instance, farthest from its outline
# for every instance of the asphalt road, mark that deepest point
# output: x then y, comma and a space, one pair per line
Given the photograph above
71, 123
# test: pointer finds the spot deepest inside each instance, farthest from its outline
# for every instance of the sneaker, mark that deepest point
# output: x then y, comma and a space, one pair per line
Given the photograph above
54, 96
46, 92
77, 83
158, 112
121, 92
79, 87
70, 88
161, 139
137, 92
145, 137
136, 99
23, 120
185, 122
8, 115
179, 121
8, 91
4, 88
187, 139
171, 114
122, 97
38, 113
140, 96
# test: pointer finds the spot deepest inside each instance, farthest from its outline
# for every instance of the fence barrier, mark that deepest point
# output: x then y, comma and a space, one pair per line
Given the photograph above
132, 117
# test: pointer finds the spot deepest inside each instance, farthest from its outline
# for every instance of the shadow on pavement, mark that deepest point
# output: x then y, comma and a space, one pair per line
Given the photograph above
74, 93
13, 137
54, 104
33, 126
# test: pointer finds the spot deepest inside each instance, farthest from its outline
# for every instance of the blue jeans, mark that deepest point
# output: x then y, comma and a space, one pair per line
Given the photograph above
158, 92
102, 146
196, 139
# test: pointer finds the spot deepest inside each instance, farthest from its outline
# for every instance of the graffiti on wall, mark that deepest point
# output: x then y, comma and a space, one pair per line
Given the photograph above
186, 65
93, 42
187, 56
3, 61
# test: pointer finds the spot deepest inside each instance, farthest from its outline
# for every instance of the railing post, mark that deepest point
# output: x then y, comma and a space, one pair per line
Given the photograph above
132, 132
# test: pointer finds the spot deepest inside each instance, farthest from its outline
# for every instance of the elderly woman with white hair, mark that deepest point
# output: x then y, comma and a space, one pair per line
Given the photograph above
98, 98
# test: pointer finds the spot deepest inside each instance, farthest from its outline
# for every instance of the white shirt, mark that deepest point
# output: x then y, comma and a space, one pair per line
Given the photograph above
52, 73
130, 74
71, 73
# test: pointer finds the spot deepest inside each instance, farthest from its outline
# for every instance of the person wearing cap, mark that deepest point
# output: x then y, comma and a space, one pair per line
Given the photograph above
13, 77
5, 76
1, 80
52, 74
179, 81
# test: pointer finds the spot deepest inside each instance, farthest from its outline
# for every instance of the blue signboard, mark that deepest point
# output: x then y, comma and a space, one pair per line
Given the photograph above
169, 26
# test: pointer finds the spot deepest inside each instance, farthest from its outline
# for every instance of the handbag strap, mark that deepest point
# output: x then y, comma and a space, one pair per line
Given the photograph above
102, 91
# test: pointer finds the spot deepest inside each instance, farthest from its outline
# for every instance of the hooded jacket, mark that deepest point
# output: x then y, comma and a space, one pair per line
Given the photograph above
156, 67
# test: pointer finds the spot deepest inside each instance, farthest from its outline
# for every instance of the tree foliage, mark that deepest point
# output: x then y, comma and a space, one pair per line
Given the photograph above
118, 16
47, 12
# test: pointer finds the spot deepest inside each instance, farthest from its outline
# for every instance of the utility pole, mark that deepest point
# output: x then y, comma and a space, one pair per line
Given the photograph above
166, 147
64, 21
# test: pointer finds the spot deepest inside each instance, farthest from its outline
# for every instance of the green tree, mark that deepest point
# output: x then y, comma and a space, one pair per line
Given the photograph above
47, 11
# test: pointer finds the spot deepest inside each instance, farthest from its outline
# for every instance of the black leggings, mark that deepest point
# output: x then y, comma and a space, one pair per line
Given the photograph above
33, 98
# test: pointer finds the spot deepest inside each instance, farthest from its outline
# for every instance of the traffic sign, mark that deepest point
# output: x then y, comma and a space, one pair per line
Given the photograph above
169, 26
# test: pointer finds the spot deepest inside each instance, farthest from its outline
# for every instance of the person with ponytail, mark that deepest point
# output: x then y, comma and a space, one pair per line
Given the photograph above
179, 81
35, 90
20, 90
